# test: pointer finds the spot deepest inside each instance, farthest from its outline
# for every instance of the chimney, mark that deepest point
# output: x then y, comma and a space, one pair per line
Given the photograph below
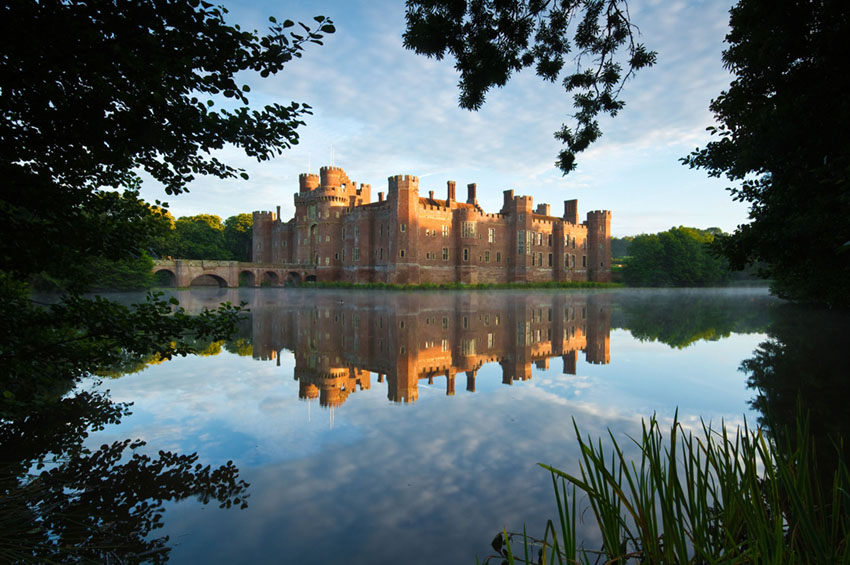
509, 197
451, 191
430, 195
571, 211
470, 191
278, 212
380, 197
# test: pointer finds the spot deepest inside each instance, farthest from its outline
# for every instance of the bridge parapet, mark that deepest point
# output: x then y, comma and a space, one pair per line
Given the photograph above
185, 272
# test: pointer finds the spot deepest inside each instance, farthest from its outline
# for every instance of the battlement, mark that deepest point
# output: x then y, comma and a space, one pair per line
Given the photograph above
263, 216
307, 182
402, 182
599, 213
333, 177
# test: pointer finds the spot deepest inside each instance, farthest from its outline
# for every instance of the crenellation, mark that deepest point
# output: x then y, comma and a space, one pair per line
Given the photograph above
405, 238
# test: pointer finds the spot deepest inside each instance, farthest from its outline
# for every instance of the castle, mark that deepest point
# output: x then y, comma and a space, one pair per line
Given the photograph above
339, 234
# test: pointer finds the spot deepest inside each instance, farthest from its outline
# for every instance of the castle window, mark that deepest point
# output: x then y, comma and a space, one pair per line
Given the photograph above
445, 231
468, 229
566, 260
550, 240
327, 260
336, 256
584, 260
445, 322
574, 243
491, 235
539, 239
402, 227
520, 242
356, 232
486, 256
465, 322
343, 233
343, 255
445, 253
550, 259
401, 252
540, 259
381, 253
445, 345
283, 243
498, 256
381, 230
573, 261
327, 238
465, 254
427, 232
533, 260
491, 340
356, 254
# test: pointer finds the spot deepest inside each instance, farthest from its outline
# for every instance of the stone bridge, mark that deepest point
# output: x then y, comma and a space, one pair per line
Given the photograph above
196, 272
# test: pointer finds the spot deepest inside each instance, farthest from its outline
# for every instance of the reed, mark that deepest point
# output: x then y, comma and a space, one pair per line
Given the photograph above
710, 497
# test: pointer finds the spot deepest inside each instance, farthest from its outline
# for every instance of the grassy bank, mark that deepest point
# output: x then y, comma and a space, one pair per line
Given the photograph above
710, 497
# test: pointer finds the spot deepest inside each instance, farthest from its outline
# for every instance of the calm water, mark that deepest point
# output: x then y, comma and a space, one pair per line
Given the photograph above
383, 427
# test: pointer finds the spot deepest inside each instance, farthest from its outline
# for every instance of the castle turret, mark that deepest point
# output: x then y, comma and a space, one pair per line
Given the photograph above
261, 245
403, 194
599, 246
307, 182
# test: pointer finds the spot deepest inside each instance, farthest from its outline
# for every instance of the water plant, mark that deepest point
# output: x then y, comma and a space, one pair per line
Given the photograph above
714, 496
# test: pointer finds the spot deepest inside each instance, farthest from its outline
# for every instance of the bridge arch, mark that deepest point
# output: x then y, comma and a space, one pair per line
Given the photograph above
293, 278
164, 277
247, 278
208, 279
310, 278
270, 278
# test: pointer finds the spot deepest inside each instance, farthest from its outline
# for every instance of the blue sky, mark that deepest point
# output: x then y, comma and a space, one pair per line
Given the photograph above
387, 111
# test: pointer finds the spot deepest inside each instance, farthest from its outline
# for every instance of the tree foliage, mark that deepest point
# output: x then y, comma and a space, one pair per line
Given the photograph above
91, 93
676, 257
491, 40
783, 141
205, 236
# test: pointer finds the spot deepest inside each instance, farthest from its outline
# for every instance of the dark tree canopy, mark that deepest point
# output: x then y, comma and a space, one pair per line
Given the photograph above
92, 92
676, 257
492, 39
783, 139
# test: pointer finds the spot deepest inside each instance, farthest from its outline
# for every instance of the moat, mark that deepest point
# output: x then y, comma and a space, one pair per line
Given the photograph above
386, 427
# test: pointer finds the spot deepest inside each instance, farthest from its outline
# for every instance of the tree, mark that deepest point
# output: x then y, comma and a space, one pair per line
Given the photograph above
92, 91
200, 237
492, 39
677, 257
783, 140
238, 232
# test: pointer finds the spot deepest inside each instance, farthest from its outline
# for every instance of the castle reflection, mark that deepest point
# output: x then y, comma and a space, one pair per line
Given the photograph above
342, 340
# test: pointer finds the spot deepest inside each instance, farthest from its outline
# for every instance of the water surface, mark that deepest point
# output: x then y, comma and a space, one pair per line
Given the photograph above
386, 427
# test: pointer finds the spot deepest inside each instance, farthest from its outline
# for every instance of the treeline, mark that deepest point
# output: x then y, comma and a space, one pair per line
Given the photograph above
205, 236
680, 257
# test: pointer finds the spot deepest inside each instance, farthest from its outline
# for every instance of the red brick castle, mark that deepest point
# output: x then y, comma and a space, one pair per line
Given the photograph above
406, 238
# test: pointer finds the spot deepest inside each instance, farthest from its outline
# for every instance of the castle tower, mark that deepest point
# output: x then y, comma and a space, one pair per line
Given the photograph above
403, 196
261, 244
599, 246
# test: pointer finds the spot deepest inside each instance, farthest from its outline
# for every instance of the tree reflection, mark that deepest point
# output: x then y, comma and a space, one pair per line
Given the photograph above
680, 319
62, 501
803, 367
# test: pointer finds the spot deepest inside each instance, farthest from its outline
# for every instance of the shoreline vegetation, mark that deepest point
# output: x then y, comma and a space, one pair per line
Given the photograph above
708, 496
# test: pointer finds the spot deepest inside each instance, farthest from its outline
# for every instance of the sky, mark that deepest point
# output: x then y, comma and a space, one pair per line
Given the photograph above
380, 110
